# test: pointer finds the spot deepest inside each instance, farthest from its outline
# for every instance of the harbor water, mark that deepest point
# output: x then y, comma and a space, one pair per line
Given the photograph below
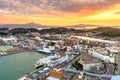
17, 65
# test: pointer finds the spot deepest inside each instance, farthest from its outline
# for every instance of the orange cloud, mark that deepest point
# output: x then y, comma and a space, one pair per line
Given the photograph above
60, 12
7, 19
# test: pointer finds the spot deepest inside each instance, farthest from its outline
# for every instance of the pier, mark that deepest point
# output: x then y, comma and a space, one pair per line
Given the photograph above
43, 72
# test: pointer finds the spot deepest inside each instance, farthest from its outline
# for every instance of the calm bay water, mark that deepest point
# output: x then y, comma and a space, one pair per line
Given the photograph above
17, 65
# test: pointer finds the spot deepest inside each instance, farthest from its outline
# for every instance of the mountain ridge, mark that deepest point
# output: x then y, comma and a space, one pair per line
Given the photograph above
35, 25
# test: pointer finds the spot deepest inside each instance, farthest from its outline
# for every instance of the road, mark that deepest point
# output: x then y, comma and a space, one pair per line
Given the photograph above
69, 63
76, 77
88, 73
109, 71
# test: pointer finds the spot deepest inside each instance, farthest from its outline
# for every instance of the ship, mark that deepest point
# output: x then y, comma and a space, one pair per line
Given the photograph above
45, 50
51, 61
39, 64
44, 61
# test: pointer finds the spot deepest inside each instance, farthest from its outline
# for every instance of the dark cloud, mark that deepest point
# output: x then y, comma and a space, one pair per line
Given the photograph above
38, 6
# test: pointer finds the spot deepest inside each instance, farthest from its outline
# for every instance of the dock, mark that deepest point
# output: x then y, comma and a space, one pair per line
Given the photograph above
44, 72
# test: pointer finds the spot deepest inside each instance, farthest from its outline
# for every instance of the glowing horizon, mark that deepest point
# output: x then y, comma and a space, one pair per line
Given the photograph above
60, 12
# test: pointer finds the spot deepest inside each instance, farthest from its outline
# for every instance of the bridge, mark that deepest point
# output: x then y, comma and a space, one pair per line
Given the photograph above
88, 73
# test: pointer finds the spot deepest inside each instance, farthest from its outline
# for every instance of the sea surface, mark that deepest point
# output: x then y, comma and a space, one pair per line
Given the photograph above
16, 65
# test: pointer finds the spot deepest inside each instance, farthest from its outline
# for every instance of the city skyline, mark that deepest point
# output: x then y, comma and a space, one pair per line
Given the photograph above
60, 12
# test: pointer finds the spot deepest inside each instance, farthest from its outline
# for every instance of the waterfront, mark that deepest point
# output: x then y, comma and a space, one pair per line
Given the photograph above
17, 65
5, 47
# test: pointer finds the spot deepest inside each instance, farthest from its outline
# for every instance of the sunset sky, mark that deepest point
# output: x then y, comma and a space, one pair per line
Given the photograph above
60, 12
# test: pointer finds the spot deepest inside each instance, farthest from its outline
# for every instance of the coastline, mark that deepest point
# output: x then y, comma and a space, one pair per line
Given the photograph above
17, 52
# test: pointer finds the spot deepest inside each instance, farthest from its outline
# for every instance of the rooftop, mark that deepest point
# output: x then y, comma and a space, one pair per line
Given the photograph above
101, 50
87, 59
37, 72
116, 78
52, 78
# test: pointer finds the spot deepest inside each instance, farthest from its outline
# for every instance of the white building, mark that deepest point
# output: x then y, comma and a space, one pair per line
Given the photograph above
102, 57
87, 62
9, 39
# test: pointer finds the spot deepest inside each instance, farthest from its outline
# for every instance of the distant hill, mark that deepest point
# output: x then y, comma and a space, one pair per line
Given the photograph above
28, 25
61, 30
107, 31
44, 31
103, 31
4, 29
22, 30
81, 28
34, 25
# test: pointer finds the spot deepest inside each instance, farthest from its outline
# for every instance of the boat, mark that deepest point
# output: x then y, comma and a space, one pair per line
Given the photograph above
51, 61
45, 50
39, 65
44, 61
